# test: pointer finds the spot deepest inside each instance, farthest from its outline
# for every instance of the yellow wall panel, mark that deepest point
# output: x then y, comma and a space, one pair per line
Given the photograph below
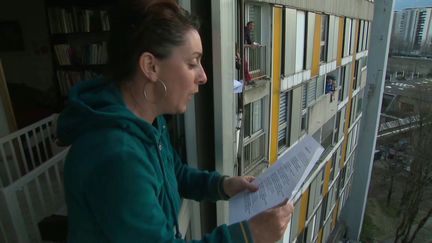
277, 53
316, 47
340, 41
327, 177
303, 210
335, 213
320, 235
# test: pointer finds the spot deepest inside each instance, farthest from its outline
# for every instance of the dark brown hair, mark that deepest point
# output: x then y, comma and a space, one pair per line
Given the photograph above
137, 26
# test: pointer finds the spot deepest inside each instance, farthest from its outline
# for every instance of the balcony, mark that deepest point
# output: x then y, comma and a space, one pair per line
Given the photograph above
256, 61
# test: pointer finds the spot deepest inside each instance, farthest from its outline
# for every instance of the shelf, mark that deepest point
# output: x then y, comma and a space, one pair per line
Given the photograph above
82, 66
80, 3
79, 34
79, 31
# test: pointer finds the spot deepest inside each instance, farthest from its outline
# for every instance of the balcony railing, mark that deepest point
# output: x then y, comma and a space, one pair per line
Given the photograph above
256, 59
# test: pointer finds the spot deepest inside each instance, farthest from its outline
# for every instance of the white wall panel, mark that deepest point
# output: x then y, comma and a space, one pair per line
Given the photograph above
300, 41
331, 36
336, 36
290, 40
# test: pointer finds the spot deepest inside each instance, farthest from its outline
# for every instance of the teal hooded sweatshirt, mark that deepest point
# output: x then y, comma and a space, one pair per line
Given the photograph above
123, 180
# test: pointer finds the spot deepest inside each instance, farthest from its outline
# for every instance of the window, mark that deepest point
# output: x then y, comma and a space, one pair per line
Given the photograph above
323, 210
318, 225
346, 80
352, 111
359, 103
304, 120
254, 135
256, 56
337, 127
341, 83
326, 232
304, 112
368, 27
352, 38
255, 16
309, 230
284, 120
327, 133
289, 40
294, 220
304, 96
311, 91
332, 196
360, 36
347, 38
332, 167
317, 135
310, 42
338, 160
320, 86
342, 122
324, 37
356, 74
253, 153
341, 181
365, 33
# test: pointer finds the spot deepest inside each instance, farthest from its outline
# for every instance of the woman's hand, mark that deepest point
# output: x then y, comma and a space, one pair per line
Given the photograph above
270, 225
236, 184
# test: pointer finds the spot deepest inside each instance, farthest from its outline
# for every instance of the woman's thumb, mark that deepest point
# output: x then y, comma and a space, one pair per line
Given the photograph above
251, 187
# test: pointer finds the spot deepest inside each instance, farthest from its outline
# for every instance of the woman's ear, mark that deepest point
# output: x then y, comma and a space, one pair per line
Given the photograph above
148, 66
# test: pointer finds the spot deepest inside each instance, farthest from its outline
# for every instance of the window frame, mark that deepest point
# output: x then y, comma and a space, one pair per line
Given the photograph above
324, 41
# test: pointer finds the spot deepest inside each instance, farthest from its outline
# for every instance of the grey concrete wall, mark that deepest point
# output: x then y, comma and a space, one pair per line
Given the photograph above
360, 9
353, 211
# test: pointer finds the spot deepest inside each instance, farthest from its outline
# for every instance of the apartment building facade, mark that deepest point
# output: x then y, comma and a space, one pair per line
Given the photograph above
303, 47
412, 30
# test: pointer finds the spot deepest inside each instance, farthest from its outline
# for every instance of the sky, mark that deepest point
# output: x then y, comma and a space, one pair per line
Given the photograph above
401, 4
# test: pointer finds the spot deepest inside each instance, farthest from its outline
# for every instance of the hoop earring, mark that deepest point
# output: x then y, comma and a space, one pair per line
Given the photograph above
157, 82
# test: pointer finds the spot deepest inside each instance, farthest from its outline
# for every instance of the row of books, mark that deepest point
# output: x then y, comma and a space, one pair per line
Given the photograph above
89, 54
67, 79
71, 20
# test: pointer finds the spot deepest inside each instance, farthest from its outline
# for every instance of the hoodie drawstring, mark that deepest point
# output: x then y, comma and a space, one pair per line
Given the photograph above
178, 235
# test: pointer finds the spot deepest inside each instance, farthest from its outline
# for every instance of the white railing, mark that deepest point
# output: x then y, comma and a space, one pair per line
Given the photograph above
256, 59
26, 149
25, 202
31, 180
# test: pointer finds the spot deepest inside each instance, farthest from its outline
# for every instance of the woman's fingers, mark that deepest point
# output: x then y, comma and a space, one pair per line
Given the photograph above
249, 186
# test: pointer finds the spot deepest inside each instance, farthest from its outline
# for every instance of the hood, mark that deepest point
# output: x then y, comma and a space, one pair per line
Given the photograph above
98, 104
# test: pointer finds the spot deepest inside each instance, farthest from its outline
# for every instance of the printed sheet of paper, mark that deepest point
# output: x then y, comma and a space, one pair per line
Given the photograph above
279, 182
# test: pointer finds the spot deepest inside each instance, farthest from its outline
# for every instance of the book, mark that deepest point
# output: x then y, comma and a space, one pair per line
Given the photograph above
278, 183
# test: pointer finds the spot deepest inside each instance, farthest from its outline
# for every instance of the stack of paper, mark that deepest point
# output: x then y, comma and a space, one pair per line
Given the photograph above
279, 182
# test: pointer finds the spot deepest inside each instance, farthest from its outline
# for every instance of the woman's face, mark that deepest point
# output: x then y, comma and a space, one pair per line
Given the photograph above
182, 73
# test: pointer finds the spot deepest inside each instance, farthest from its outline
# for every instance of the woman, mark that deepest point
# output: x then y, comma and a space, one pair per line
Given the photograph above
123, 180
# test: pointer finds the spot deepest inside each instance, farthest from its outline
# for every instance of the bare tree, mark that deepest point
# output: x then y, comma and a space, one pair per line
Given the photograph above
420, 174
393, 167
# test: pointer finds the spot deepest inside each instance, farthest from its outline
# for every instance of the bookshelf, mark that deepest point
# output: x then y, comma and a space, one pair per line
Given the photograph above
79, 32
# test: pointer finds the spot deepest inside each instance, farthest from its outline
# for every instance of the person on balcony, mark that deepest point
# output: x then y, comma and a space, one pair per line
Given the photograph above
250, 26
123, 179
330, 86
